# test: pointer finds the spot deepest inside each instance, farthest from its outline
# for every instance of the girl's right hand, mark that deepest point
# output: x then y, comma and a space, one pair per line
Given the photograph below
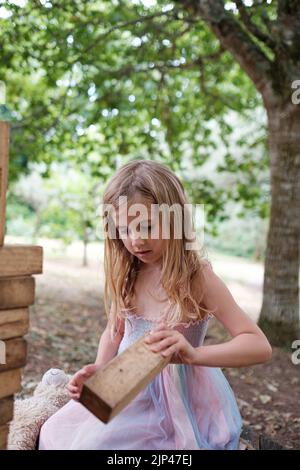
75, 384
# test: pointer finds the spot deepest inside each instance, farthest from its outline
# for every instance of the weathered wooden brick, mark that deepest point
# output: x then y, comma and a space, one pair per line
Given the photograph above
10, 382
20, 260
16, 292
15, 354
3, 436
14, 323
6, 409
112, 387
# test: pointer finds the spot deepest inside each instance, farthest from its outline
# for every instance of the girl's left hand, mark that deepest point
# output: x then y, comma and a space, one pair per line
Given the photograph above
168, 341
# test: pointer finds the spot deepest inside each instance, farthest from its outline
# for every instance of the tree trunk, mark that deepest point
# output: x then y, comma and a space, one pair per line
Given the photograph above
279, 317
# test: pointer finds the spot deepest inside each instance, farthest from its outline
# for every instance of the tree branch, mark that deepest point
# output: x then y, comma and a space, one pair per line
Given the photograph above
42, 110
121, 25
228, 103
288, 7
233, 38
288, 25
251, 27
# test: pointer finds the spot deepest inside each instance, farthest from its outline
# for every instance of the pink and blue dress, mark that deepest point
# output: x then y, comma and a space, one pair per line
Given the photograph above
185, 407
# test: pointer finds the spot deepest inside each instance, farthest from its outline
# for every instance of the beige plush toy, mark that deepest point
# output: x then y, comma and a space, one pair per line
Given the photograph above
31, 413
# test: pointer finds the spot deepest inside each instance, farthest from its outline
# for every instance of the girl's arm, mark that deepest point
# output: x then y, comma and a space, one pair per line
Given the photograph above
249, 344
108, 347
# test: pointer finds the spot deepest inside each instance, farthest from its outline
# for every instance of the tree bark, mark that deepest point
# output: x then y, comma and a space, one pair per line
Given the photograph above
279, 316
234, 39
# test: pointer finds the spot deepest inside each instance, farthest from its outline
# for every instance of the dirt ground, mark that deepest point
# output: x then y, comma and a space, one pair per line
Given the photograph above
68, 318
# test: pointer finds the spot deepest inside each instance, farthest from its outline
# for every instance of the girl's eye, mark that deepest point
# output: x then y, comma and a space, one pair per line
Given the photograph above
144, 229
123, 232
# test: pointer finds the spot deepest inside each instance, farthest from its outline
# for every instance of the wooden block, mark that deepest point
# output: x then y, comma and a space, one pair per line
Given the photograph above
20, 260
16, 354
3, 436
10, 382
16, 292
14, 323
4, 144
6, 409
112, 387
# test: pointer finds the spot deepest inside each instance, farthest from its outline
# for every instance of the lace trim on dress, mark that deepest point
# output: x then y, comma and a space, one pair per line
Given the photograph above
128, 314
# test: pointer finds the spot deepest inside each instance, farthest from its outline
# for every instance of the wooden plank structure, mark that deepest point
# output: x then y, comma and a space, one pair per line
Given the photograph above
17, 290
112, 387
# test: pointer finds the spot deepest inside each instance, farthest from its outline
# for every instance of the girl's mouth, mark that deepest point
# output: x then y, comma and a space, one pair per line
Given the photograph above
142, 253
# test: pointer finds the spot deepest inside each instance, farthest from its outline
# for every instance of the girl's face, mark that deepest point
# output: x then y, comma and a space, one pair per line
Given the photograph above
135, 221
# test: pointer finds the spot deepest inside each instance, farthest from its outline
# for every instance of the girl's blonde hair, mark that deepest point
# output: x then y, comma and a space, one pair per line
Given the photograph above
181, 268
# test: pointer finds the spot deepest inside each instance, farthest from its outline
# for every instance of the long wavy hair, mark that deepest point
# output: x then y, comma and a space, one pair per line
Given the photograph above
181, 274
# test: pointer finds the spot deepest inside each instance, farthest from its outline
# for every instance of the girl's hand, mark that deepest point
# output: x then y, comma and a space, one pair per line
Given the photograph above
75, 384
168, 341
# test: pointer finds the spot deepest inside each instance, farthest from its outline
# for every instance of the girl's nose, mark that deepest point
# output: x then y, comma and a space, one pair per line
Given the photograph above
136, 240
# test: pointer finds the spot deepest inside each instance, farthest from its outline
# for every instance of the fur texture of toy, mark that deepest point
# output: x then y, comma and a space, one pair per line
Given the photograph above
31, 413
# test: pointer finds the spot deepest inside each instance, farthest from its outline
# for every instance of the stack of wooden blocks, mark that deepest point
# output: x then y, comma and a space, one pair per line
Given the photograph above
17, 290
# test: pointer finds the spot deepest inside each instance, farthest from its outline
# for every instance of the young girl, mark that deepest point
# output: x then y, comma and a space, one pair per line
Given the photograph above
159, 287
